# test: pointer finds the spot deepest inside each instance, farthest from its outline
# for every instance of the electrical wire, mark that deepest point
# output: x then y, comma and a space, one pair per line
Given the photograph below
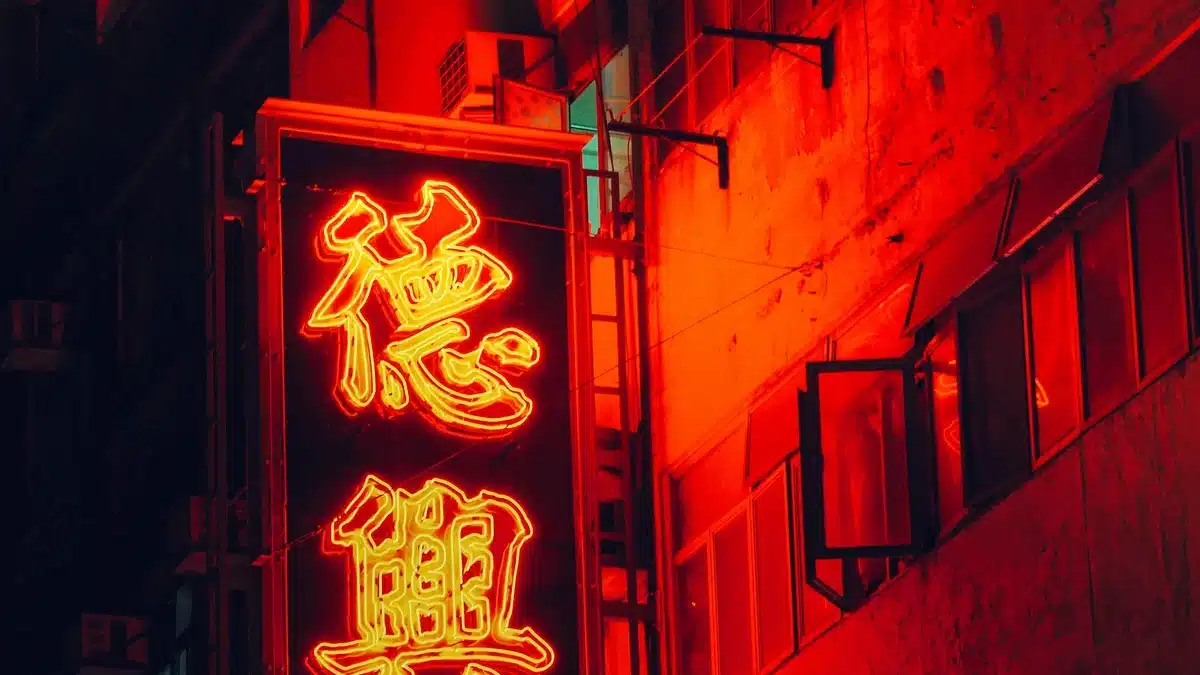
816, 265
546, 226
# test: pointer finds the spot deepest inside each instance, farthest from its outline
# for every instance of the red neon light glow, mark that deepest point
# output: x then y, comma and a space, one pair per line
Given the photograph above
426, 288
434, 577
945, 384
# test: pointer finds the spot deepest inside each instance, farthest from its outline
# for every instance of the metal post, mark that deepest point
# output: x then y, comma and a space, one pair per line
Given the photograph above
218, 450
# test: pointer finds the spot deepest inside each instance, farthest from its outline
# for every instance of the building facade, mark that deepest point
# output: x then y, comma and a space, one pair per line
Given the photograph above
880, 318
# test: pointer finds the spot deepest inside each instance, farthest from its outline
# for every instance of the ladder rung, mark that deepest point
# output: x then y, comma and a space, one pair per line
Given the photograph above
607, 390
606, 318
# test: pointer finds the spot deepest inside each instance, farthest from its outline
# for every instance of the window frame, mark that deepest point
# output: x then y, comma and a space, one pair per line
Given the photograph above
946, 330
1170, 157
919, 465
1189, 200
1065, 246
1117, 200
703, 544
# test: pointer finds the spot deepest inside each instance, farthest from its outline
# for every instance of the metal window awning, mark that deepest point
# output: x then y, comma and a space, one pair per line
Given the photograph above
1166, 101
963, 257
1091, 149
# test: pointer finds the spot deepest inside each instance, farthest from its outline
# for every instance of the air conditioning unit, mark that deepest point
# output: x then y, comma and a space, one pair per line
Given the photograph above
469, 70
114, 639
37, 323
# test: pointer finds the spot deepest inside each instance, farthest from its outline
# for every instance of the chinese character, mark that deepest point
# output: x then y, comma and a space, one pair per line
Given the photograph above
426, 282
434, 575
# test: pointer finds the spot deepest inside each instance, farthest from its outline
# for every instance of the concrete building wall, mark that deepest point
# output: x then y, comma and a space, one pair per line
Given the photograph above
833, 192
1090, 567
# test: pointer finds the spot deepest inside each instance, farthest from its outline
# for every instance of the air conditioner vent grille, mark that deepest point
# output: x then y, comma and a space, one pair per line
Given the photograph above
452, 72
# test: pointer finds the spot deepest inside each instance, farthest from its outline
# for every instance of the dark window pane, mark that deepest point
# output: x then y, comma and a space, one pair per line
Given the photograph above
667, 43
773, 564
947, 431
1193, 191
865, 459
691, 589
1054, 353
1154, 208
710, 489
995, 433
1107, 310
750, 55
731, 560
710, 59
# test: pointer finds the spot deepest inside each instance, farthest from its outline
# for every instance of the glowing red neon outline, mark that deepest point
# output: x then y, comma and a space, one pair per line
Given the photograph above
947, 385
416, 599
427, 290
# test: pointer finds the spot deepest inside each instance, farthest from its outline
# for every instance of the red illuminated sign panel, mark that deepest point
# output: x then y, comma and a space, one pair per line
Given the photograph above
416, 324
427, 284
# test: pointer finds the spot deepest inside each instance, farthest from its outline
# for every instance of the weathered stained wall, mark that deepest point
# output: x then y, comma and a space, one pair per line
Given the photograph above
933, 100
1087, 568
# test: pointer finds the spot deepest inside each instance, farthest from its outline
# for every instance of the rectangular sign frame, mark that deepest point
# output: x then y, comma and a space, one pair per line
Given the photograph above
280, 119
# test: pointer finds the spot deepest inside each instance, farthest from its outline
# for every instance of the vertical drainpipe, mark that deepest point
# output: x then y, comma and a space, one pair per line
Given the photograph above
372, 57
641, 72
216, 408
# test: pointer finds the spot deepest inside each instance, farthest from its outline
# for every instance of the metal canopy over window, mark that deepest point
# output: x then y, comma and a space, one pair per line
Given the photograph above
959, 260
1093, 148
1166, 102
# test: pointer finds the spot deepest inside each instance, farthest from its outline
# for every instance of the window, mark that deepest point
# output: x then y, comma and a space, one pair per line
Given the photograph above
993, 392
773, 572
710, 58
864, 480
1054, 354
947, 428
773, 431
1159, 264
734, 595
750, 55
737, 596
1192, 167
1060, 175
691, 590
710, 489
1106, 309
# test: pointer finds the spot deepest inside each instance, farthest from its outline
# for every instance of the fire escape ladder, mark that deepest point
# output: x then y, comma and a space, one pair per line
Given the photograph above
622, 447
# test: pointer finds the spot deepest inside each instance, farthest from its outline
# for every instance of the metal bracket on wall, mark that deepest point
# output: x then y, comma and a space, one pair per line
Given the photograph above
825, 45
719, 142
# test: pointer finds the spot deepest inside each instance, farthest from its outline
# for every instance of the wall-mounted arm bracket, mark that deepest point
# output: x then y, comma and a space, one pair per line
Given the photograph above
719, 142
825, 44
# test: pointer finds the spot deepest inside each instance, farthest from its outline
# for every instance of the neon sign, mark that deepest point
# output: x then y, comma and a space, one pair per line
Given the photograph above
947, 385
425, 287
434, 576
